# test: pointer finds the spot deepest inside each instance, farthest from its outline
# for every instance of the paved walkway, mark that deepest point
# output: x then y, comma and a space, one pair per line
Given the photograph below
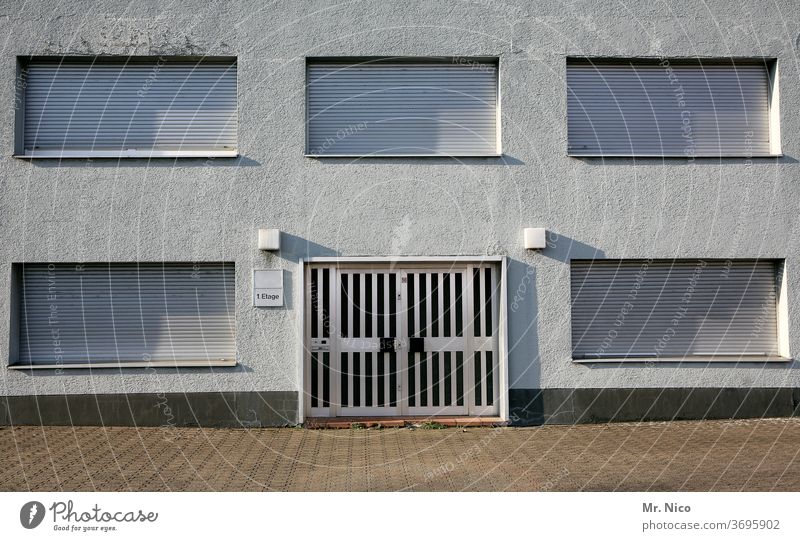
709, 455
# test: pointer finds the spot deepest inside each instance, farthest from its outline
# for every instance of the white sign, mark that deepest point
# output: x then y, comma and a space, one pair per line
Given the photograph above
267, 288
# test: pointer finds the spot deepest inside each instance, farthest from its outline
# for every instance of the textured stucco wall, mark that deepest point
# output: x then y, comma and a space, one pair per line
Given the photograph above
210, 210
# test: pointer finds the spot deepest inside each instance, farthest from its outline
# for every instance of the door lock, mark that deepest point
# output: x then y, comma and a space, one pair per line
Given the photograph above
416, 345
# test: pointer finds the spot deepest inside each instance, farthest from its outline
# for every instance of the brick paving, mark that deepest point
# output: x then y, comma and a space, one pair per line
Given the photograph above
753, 455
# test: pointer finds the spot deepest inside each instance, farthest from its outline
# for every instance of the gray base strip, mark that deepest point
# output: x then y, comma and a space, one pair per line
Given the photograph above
280, 408
234, 409
570, 406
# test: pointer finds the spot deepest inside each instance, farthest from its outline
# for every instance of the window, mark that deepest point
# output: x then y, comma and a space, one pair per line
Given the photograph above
121, 314
672, 108
422, 107
683, 309
136, 107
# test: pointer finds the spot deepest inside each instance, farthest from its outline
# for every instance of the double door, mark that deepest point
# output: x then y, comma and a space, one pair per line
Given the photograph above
388, 341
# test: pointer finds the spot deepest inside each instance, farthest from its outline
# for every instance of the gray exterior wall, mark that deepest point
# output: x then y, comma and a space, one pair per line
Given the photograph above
210, 210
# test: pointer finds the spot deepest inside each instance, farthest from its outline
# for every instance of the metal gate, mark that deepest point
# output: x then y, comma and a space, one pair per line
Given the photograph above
388, 341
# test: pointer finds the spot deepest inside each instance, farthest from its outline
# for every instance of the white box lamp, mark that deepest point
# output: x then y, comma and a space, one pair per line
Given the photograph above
269, 239
535, 238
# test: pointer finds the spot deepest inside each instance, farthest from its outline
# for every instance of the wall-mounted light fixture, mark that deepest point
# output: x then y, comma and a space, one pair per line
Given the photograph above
535, 238
269, 239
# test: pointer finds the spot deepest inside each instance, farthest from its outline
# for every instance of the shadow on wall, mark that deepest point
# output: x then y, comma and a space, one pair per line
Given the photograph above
293, 248
748, 365
678, 161
139, 163
151, 371
526, 400
563, 248
503, 160
523, 326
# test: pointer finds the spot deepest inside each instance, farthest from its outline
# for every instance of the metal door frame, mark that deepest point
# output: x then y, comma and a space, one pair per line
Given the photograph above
434, 263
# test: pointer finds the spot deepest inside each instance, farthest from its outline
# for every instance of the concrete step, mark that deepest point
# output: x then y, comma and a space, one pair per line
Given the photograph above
400, 422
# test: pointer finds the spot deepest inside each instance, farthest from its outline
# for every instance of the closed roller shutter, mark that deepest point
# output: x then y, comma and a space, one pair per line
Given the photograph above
139, 108
122, 313
383, 108
673, 308
642, 109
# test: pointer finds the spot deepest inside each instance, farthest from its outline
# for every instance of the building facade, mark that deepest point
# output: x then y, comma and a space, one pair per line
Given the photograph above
556, 213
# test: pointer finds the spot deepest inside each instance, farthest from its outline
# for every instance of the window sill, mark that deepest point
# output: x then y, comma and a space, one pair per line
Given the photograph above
84, 154
120, 365
688, 359
677, 156
379, 156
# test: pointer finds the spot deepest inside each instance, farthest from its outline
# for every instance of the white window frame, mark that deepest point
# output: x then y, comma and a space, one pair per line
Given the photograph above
782, 313
19, 117
773, 75
498, 112
12, 363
